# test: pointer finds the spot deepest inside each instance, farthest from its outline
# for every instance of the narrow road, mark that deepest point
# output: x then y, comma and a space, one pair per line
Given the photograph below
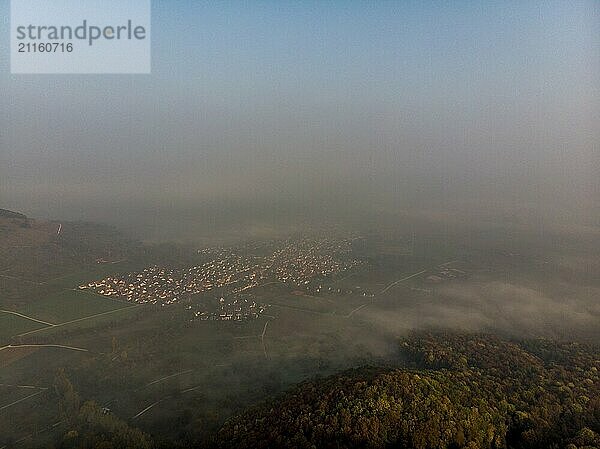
4, 407
72, 348
168, 377
262, 339
362, 306
356, 310
27, 317
31, 387
189, 390
400, 280
20, 440
146, 409
80, 319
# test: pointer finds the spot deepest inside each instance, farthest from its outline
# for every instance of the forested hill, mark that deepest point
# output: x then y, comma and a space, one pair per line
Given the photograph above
458, 391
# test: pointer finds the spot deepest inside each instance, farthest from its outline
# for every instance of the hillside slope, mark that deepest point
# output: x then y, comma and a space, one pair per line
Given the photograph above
5, 213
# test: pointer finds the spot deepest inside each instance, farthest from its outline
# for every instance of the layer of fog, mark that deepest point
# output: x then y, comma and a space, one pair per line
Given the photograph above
489, 305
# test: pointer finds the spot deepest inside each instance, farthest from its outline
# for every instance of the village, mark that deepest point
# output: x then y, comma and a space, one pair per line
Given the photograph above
294, 262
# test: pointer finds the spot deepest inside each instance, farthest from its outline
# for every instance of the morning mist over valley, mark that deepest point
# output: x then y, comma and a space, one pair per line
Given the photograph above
300, 225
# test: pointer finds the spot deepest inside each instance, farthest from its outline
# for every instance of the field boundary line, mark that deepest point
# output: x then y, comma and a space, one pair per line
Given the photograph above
20, 279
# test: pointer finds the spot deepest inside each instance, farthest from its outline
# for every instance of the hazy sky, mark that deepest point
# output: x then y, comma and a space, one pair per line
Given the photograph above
277, 109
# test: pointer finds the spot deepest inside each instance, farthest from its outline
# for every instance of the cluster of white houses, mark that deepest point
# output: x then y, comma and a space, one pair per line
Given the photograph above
156, 285
237, 309
294, 261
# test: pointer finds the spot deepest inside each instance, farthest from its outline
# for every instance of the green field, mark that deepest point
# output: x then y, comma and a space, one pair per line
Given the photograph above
69, 305
58, 308
93, 272
12, 325
11, 394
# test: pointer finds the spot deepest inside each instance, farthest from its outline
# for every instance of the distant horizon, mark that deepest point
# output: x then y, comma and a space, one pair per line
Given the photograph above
283, 112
